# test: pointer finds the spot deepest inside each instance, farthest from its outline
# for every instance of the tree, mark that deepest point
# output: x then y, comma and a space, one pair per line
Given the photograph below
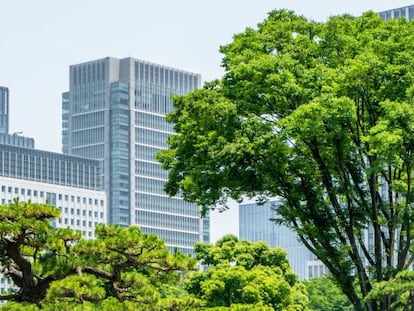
325, 295
320, 115
122, 268
125, 264
245, 276
402, 286
32, 253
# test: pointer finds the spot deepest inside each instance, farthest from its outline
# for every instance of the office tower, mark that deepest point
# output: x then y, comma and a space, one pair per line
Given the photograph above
406, 12
4, 110
255, 225
115, 112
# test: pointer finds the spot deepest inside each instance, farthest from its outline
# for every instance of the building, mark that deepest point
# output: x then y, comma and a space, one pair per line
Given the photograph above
4, 110
255, 225
72, 184
406, 12
115, 112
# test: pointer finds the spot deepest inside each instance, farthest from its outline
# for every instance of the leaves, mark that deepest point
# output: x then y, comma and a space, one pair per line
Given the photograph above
246, 274
319, 115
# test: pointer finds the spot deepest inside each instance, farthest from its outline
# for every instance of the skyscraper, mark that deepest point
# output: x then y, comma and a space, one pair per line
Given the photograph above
115, 112
4, 110
255, 225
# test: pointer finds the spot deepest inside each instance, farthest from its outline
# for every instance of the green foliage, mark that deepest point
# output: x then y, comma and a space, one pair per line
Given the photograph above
401, 287
122, 269
321, 116
32, 253
125, 269
242, 274
325, 295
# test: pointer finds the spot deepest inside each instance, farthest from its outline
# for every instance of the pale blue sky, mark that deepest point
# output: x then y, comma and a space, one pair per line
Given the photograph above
40, 39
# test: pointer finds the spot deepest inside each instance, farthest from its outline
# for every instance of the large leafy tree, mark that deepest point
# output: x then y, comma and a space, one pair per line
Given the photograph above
245, 275
320, 115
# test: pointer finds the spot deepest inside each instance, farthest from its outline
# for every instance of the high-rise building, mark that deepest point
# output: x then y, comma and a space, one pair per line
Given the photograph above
4, 110
255, 225
115, 112
406, 12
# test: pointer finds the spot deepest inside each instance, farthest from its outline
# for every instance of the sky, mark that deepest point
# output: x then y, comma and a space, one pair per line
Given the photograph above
40, 39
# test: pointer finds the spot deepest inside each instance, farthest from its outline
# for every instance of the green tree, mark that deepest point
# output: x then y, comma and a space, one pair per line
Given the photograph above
122, 269
320, 115
401, 286
32, 253
245, 276
325, 295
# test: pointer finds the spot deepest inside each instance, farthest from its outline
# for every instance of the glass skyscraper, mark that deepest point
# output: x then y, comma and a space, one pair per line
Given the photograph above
255, 225
4, 110
115, 112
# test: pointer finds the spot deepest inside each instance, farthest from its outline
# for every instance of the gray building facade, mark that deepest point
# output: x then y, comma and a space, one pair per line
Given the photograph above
49, 167
404, 12
115, 112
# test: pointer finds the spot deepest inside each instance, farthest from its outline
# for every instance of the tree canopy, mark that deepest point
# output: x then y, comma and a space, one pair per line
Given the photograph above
125, 269
242, 275
320, 115
122, 268
325, 295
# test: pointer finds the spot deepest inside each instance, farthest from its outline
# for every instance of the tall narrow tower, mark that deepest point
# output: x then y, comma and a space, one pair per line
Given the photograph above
115, 111
4, 110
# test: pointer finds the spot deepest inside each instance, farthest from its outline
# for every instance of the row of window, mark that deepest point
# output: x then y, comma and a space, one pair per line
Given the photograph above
148, 218
156, 74
152, 121
149, 185
89, 98
166, 204
77, 222
42, 194
150, 170
175, 238
88, 72
79, 211
50, 168
91, 152
150, 137
154, 98
89, 136
15, 140
92, 119
146, 152
407, 12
